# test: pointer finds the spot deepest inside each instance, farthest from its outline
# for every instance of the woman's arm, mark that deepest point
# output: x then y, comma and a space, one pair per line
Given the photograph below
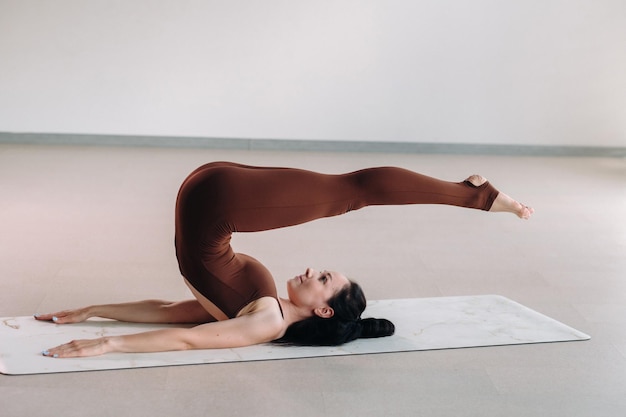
147, 311
259, 327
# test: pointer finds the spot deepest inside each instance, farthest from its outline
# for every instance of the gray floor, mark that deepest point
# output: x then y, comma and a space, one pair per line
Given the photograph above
84, 225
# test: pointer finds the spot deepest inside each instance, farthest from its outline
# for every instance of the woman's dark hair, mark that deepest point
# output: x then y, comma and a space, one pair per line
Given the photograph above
344, 326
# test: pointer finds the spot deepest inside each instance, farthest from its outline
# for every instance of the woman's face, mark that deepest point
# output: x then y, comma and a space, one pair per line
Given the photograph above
314, 288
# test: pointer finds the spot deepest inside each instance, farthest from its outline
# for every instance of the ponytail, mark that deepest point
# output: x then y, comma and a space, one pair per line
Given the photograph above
371, 328
344, 326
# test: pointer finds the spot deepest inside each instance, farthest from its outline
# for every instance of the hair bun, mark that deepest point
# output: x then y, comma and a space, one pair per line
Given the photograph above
371, 328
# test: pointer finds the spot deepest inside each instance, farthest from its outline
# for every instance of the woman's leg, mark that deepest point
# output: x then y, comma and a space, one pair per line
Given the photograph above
260, 199
397, 186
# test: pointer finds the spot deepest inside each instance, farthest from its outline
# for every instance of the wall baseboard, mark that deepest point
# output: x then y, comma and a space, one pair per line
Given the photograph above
308, 145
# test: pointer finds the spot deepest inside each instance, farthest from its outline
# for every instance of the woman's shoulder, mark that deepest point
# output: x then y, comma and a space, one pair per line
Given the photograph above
264, 304
267, 312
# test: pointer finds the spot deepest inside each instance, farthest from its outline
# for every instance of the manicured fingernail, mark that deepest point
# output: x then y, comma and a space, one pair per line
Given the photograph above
45, 353
36, 315
54, 318
55, 356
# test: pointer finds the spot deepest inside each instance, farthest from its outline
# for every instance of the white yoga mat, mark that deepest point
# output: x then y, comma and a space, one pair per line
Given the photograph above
421, 324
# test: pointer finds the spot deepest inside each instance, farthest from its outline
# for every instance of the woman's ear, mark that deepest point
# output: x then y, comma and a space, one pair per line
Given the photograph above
324, 312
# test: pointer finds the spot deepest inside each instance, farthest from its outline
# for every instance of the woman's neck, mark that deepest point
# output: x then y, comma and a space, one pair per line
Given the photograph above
292, 313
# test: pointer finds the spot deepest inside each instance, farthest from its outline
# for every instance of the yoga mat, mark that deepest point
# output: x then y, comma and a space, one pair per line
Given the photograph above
421, 324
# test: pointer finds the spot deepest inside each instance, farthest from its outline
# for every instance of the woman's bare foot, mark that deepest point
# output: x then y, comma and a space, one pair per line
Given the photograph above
504, 203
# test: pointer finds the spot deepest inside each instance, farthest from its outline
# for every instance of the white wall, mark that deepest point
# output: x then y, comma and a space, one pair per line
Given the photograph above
547, 72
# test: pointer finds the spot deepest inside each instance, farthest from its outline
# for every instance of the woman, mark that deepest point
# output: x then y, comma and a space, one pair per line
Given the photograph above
236, 303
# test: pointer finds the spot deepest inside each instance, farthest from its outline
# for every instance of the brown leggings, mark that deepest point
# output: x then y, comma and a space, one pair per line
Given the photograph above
220, 198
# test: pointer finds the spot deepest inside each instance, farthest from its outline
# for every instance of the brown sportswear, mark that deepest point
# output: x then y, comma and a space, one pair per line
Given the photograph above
220, 198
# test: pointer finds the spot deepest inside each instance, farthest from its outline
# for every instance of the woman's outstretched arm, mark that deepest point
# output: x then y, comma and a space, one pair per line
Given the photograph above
262, 326
147, 311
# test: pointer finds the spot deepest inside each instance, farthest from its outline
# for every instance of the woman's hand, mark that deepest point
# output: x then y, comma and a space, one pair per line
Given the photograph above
65, 316
79, 348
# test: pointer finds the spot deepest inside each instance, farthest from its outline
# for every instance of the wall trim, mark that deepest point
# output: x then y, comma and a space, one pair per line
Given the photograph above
307, 145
